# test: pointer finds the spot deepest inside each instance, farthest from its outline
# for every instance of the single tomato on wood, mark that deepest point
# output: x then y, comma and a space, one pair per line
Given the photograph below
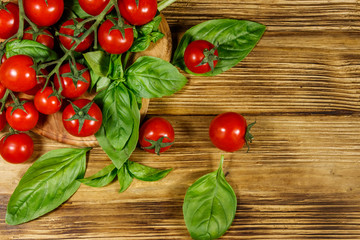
156, 135
229, 132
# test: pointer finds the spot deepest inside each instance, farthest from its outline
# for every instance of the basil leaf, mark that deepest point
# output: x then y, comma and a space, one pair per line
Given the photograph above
236, 39
75, 8
144, 173
151, 77
102, 84
209, 206
116, 106
124, 177
101, 178
151, 26
141, 44
49, 182
38, 51
156, 36
99, 62
115, 71
119, 132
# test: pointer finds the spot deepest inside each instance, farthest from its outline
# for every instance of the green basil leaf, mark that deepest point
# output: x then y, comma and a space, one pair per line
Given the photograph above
151, 26
49, 182
102, 84
144, 173
101, 178
151, 77
141, 44
38, 51
75, 8
236, 39
119, 132
117, 118
99, 62
125, 178
156, 36
209, 206
115, 71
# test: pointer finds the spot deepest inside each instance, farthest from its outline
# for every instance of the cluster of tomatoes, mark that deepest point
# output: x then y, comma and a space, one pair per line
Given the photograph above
21, 74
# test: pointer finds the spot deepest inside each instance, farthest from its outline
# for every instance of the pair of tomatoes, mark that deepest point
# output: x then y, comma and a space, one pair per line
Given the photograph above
228, 132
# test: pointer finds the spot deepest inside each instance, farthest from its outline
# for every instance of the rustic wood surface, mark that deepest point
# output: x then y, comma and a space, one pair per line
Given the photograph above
300, 179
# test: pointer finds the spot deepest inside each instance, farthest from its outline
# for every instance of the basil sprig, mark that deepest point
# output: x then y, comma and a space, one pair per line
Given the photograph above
38, 51
151, 77
209, 206
49, 182
236, 39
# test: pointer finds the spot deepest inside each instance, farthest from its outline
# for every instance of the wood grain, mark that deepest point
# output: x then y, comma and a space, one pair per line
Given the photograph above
300, 179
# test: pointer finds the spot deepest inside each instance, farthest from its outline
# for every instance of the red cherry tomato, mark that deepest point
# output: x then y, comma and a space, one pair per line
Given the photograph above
3, 58
2, 120
69, 42
16, 148
69, 89
194, 55
9, 20
228, 131
45, 38
17, 74
138, 15
45, 104
44, 13
39, 85
89, 127
113, 41
94, 7
21, 120
156, 135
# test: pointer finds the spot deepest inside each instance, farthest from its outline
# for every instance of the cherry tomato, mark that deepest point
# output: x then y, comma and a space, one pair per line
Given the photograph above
138, 15
94, 7
83, 110
44, 13
69, 88
39, 84
2, 91
229, 131
45, 37
17, 74
194, 55
21, 120
2, 120
112, 41
66, 28
9, 20
45, 104
156, 135
16, 148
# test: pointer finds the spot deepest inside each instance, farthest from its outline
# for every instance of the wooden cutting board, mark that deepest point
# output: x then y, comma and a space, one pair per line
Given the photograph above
51, 126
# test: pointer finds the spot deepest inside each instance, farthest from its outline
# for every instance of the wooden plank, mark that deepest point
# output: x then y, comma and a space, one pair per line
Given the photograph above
299, 180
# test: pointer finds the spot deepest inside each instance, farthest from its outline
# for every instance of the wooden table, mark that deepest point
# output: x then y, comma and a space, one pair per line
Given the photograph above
300, 179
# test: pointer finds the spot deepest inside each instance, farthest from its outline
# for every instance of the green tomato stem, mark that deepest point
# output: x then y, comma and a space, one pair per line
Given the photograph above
20, 32
164, 4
